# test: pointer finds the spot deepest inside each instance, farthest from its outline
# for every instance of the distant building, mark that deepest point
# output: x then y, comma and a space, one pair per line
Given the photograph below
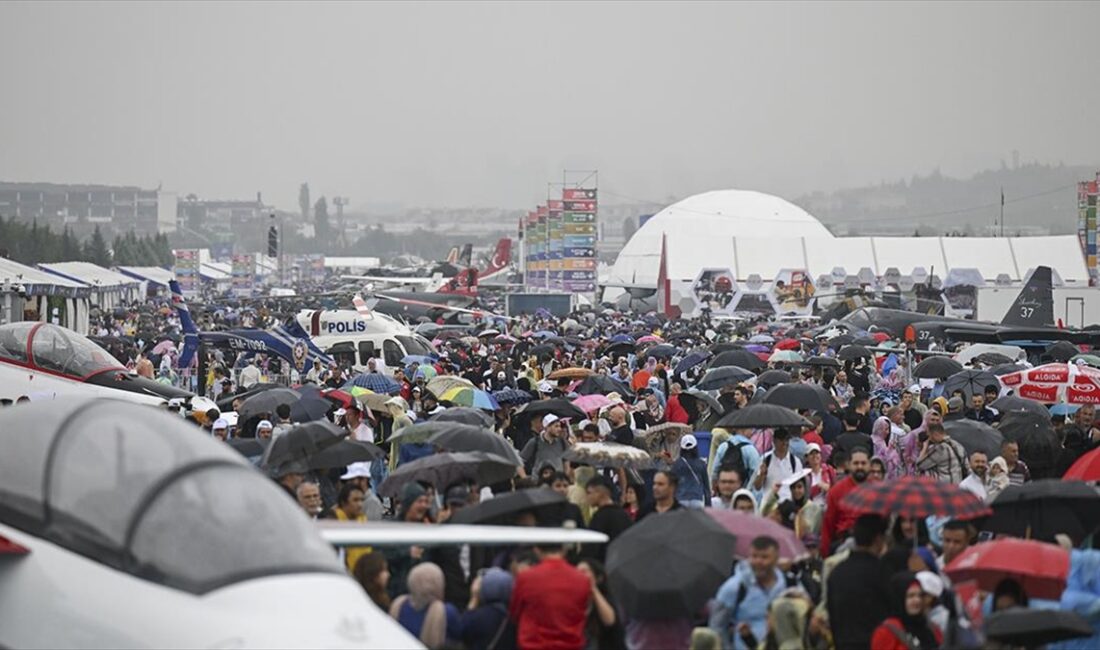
117, 208
220, 218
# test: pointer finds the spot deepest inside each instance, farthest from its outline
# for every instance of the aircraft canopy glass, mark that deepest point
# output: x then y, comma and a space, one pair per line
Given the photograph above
55, 348
141, 490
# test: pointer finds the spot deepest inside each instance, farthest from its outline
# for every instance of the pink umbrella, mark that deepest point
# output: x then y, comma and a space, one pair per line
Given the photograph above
651, 338
164, 347
590, 403
747, 527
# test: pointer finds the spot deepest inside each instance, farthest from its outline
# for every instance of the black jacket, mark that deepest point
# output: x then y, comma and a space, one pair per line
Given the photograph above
858, 600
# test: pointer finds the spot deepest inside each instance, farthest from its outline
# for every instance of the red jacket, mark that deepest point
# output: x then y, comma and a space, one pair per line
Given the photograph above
884, 638
550, 606
838, 517
674, 412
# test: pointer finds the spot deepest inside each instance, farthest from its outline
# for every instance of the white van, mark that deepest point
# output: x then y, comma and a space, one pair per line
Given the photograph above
353, 340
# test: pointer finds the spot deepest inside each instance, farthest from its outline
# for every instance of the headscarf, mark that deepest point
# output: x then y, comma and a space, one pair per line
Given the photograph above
790, 618
884, 450
997, 484
425, 585
745, 493
916, 626
496, 587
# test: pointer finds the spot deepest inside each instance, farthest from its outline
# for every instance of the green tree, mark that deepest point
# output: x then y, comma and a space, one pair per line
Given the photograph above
95, 249
303, 201
70, 246
321, 230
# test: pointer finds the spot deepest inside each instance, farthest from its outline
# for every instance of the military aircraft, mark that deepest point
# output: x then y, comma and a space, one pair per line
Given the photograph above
1030, 318
459, 276
288, 341
125, 527
47, 361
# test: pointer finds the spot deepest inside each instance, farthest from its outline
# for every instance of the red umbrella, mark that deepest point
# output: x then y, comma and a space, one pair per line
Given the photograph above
787, 344
343, 398
747, 527
916, 497
879, 337
1086, 468
1040, 568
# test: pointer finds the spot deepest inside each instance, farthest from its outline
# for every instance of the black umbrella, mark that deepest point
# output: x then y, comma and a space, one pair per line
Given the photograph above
773, 378
975, 436
542, 351
422, 431
760, 416
936, 368
226, 403
619, 349
264, 403
547, 505
602, 385
690, 361
696, 555
661, 351
970, 382
560, 407
800, 396
248, 447
1062, 351
821, 362
462, 437
719, 348
1044, 508
742, 358
447, 468
1031, 628
718, 377
1009, 403
840, 341
696, 394
993, 359
301, 442
309, 408
345, 453
1004, 369
464, 415
1039, 444
853, 352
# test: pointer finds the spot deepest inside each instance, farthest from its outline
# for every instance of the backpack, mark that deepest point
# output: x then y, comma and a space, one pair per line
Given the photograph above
734, 459
768, 460
743, 592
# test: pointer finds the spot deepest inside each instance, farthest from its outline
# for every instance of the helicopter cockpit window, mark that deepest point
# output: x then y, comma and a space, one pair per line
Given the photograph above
13, 340
254, 533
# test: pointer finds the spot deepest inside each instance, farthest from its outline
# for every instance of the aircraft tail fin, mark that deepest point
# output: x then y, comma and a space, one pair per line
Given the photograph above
502, 257
452, 256
466, 258
1034, 307
190, 332
664, 300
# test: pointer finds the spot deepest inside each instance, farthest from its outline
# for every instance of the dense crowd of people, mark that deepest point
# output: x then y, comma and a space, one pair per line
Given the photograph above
665, 389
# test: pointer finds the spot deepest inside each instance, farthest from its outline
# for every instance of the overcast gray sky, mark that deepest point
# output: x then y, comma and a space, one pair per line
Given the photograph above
455, 104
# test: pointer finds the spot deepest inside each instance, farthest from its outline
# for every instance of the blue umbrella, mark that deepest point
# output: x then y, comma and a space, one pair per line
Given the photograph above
376, 382
545, 334
622, 338
1064, 409
417, 358
690, 361
512, 396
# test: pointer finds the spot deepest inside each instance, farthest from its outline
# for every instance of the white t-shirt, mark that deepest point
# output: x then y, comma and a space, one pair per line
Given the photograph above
363, 433
779, 469
975, 485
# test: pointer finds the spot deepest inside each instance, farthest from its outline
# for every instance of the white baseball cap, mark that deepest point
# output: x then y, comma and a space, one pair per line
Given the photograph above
688, 442
549, 419
356, 470
265, 424
220, 423
813, 446
930, 583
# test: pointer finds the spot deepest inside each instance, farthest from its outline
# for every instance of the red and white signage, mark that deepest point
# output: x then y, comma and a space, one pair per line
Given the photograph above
1056, 382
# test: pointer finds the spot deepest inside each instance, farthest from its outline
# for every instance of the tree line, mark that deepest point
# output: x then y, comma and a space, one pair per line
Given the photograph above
34, 244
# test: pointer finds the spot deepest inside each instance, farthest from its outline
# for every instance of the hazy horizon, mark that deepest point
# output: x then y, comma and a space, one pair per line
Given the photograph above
448, 104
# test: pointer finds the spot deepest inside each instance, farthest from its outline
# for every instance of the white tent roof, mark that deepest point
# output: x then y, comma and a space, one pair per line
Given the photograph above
216, 271
90, 274
757, 234
37, 281
154, 274
336, 262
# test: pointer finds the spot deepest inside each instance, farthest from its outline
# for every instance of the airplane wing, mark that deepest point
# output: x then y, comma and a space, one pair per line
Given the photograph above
392, 280
340, 533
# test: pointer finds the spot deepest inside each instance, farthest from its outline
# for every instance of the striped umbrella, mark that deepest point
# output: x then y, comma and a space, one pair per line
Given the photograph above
376, 382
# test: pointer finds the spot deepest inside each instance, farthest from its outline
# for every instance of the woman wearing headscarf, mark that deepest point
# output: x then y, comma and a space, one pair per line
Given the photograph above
908, 628
998, 478
880, 438
485, 624
422, 611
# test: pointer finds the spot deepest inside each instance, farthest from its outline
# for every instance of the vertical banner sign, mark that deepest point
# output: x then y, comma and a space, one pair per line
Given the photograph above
1090, 225
542, 257
579, 240
187, 271
529, 252
244, 275
1082, 207
554, 244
